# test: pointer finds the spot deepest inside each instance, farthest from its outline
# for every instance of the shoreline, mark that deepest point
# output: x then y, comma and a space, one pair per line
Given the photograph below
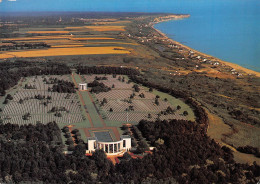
224, 63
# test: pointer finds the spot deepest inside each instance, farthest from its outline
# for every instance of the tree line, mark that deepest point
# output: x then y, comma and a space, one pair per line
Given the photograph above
22, 46
106, 70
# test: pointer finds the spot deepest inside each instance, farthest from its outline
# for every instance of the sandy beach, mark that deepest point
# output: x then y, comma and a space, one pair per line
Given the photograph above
232, 65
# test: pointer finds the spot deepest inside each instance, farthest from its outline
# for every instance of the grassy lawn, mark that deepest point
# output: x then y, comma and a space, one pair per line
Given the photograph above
89, 105
91, 110
175, 102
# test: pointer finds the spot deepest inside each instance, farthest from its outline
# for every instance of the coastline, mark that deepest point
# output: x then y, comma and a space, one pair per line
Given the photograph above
224, 63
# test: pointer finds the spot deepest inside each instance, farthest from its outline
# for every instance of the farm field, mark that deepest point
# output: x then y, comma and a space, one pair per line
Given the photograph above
106, 28
61, 46
94, 39
66, 52
113, 22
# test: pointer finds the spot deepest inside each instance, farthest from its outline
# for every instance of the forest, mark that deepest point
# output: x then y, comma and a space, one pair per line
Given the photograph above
97, 87
106, 70
187, 155
62, 86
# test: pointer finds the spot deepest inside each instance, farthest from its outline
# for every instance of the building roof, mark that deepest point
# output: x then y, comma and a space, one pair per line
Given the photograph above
92, 138
125, 136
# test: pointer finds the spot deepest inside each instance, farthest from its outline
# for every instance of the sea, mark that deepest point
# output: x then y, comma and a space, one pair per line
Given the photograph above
227, 29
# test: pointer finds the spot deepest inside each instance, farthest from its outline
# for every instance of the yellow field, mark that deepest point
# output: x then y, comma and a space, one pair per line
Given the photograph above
60, 46
96, 38
116, 22
49, 32
82, 27
66, 52
106, 28
99, 28
124, 43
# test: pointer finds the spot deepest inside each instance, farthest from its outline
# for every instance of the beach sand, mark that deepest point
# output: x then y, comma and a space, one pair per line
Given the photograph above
209, 57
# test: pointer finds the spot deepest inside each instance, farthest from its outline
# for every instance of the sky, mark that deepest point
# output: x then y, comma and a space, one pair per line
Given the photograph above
89, 5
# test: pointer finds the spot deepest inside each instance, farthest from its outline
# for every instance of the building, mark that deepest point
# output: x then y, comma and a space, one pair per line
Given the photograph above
83, 86
111, 148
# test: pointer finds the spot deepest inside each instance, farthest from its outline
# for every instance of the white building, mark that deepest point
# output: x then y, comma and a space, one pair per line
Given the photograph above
83, 86
111, 148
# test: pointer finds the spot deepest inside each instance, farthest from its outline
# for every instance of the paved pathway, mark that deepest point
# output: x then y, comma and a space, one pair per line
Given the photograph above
82, 101
88, 103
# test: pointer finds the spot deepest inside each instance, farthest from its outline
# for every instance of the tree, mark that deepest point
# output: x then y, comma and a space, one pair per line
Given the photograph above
65, 129
156, 101
70, 141
9, 97
178, 107
127, 156
80, 150
125, 127
17, 177
74, 131
134, 143
136, 88
5, 101
77, 134
104, 100
142, 95
71, 147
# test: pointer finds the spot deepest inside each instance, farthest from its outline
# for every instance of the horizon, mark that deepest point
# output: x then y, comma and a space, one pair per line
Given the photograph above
175, 6
77, 5
78, 12
145, 6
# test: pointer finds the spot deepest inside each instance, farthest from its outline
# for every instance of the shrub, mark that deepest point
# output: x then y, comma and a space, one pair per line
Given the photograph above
185, 113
